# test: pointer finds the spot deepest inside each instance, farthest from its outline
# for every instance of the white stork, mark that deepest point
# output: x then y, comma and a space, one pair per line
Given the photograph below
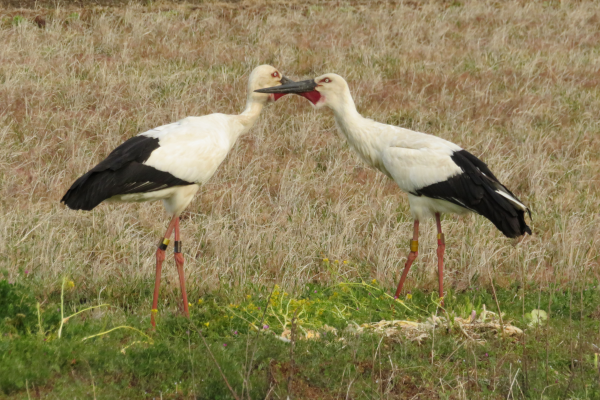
169, 163
438, 176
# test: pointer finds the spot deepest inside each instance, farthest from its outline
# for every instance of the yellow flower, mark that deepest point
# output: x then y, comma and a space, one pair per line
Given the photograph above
200, 301
207, 324
408, 296
326, 260
70, 284
345, 261
337, 261
374, 281
189, 304
248, 296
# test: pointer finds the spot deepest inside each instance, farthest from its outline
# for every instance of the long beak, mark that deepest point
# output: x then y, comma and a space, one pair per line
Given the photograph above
285, 80
291, 87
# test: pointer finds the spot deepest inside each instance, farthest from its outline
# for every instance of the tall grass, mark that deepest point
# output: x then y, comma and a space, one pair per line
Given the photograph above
515, 83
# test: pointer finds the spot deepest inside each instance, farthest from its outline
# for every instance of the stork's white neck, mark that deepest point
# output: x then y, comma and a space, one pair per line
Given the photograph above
250, 114
360, 132
246, 119
347, 118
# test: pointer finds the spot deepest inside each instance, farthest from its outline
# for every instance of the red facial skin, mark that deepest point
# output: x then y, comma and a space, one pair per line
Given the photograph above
313, 96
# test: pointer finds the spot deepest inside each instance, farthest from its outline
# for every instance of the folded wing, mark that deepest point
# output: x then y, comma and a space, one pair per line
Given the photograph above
122, 172
458, 177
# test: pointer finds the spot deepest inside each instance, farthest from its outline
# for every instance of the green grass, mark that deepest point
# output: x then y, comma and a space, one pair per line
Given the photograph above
515, 83
556, 358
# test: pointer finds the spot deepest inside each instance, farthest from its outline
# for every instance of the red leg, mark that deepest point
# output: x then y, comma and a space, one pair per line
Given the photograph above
160, 257
179, 261
414, 252
440, 253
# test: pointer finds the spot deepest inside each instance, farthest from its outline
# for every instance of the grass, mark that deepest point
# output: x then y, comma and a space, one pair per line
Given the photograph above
515, 83
172, 361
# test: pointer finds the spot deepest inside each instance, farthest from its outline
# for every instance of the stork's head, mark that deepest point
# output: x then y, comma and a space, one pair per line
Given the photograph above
265, 76
326, 90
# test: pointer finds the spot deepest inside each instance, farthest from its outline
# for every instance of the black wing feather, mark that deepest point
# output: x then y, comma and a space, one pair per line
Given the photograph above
476, 189
122, 172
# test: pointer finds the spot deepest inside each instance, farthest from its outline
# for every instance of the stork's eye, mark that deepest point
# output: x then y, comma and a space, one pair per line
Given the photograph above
326, 80
275, 74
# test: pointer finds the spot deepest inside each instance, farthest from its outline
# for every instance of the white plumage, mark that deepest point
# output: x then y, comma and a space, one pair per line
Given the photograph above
191, 149
412, 159
169, 163
194, 147
438, 176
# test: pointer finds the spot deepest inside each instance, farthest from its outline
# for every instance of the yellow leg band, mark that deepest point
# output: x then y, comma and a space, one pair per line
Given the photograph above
441, 238
164, 244
414, 245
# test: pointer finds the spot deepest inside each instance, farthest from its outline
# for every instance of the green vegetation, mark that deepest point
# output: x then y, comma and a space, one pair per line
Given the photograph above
515, 83
18, 20
108, 352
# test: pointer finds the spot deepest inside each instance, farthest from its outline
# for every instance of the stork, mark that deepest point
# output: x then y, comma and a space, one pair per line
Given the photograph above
169, 163
438, 176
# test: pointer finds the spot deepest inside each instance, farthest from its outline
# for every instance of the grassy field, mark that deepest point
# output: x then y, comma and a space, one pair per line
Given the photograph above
515, 83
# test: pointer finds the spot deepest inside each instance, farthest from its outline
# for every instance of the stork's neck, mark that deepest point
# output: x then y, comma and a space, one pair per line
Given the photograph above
250, 114
246, 119
349, 121
360, 132
345, 109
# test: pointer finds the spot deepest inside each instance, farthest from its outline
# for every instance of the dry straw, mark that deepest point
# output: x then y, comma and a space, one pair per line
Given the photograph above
513, 82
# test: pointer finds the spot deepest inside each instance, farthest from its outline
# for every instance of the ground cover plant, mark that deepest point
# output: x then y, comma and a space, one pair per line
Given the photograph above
328, 359
515, 83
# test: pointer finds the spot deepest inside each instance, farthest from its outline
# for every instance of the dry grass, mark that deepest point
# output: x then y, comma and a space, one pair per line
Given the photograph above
513, 82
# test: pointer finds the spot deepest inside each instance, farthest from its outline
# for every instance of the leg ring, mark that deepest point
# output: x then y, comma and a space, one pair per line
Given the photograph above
414, 246
164, 244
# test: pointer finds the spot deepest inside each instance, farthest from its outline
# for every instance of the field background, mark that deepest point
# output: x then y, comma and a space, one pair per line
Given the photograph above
515, 83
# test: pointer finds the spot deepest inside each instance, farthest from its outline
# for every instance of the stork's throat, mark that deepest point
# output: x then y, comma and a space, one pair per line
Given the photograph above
313, 96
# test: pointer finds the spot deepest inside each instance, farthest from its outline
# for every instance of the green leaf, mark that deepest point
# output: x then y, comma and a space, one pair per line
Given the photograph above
537, 317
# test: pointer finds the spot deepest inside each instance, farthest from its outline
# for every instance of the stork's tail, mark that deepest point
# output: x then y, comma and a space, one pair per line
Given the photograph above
493, 199
81, 195
505, 211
